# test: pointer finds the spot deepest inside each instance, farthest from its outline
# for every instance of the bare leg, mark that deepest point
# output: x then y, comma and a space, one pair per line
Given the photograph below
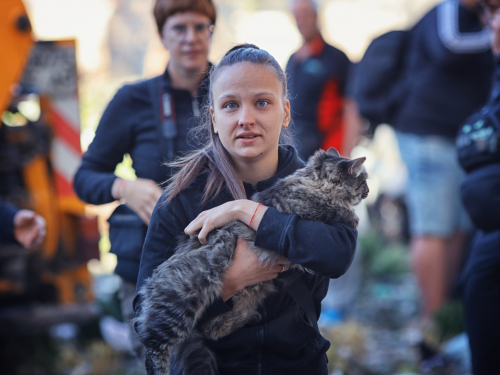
428, 256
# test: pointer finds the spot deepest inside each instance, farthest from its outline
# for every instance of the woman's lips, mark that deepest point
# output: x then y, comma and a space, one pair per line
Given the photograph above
248, 138
192, 54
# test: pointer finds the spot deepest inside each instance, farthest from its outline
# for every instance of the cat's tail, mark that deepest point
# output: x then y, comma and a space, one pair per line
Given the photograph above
192, 357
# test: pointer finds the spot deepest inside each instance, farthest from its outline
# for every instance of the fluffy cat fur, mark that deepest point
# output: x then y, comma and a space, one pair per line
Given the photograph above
175, 297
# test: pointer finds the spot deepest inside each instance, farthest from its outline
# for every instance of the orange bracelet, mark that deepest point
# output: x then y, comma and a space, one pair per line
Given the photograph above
250, 225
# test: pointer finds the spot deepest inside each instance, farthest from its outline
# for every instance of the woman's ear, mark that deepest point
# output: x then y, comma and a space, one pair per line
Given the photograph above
212, 116
287, 117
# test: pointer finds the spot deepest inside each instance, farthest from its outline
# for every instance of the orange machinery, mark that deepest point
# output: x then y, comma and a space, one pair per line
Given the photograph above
37, 160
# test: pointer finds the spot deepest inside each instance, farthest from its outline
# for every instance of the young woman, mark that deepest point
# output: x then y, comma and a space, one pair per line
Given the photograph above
248, 112
148, 120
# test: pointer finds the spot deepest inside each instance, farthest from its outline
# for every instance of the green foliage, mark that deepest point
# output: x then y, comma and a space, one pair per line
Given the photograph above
392, 260
111, 307
449, 321
382, 259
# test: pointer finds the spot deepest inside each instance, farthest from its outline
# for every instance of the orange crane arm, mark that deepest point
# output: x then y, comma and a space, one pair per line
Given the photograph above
16, 41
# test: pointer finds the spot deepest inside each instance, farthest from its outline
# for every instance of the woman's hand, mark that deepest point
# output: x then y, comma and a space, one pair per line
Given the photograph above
246, 270
141, 196
241, 210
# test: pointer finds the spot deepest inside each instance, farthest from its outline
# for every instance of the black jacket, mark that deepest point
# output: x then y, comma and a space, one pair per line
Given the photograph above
132, 124
480, 188
283, 342
449, 71
7, 213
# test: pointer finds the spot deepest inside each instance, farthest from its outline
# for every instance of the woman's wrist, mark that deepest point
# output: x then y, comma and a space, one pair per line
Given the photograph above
229, 289
248, 211
117, 188
244, 210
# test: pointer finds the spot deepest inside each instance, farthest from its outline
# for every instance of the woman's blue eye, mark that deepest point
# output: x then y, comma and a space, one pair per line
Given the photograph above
262, 103
231, 106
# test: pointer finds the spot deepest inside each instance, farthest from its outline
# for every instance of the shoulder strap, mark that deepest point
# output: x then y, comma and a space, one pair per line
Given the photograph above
299, 291
165, 133
154, 97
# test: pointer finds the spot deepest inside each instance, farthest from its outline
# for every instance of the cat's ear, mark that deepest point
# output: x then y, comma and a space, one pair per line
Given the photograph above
332, 152
355, 165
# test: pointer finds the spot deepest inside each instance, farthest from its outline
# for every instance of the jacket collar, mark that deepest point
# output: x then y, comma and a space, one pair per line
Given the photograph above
202, 87
310, 49
288, 163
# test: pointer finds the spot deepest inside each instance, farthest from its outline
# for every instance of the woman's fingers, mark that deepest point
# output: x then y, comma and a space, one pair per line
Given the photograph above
281, 267
141, 196
194, 225
202, 236
214, 218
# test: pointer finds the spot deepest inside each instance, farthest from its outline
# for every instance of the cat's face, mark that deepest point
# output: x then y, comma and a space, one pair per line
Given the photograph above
345, 178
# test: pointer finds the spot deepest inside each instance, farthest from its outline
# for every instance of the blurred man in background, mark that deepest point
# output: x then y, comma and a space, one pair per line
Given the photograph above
449, 74
317, 75
22, 226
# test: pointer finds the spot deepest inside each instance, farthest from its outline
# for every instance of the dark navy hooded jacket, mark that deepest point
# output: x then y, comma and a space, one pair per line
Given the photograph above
284, 342
132, 124
449, 71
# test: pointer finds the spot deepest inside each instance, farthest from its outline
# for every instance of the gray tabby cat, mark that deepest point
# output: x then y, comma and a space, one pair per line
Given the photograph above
175, 297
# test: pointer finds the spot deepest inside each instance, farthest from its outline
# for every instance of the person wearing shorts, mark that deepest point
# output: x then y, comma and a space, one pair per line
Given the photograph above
433, 190
448, 74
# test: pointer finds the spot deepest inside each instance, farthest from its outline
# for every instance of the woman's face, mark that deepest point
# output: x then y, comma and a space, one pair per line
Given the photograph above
187, 37
249, 111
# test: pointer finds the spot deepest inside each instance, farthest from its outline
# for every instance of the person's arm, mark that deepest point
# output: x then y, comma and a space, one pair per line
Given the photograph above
24, 226
454, 36
95, 177
95, 181
324, 248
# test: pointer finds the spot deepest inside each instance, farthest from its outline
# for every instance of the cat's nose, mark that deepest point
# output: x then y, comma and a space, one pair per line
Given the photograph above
365, 193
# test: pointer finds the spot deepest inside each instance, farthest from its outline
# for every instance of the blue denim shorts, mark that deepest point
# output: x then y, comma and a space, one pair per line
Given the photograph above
433, 188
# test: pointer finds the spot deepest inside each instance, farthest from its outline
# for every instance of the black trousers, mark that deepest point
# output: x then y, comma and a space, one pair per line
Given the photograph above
482, 302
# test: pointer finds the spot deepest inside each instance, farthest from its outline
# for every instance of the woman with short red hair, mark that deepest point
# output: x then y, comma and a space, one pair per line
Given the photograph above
149, 120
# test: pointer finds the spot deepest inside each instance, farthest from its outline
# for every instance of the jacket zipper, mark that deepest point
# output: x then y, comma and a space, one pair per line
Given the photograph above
261, 332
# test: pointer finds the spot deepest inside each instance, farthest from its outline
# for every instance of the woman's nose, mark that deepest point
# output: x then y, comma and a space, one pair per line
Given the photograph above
247, 117
190, 35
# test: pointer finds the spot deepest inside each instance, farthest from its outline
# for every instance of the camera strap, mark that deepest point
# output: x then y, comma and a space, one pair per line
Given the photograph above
168, 121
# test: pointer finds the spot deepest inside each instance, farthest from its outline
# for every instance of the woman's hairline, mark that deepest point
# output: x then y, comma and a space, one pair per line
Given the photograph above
217, 70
